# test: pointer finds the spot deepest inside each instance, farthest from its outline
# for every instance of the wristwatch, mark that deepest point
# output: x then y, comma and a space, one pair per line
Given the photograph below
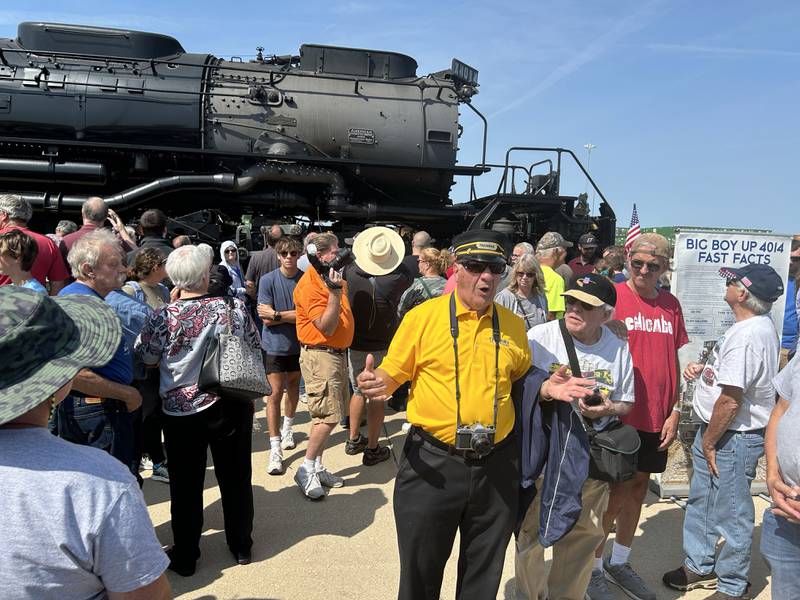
277, 316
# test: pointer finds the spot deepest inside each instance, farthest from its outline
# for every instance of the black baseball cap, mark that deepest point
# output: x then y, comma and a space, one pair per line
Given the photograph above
588, 240
593, 289
760, 280
480, 244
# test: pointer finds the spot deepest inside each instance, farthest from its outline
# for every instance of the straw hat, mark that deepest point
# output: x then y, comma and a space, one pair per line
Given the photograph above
378, 250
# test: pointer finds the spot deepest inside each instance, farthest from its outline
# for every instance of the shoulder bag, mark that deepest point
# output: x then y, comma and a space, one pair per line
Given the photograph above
232, 369
612, 451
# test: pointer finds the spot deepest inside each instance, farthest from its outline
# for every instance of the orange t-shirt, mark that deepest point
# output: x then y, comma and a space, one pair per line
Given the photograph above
310, 300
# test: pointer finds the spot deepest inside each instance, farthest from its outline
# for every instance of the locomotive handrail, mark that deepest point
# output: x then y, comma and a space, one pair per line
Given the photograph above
559, 152
151, 62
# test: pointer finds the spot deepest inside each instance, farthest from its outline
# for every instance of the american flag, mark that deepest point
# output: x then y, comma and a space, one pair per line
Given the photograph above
633, 231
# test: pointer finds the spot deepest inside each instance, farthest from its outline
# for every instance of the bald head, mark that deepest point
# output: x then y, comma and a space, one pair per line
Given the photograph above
420, 241
94, 211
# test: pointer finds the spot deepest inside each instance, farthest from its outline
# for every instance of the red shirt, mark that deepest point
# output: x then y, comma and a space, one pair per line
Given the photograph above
578, 268
70, 239
655, 332
49, 264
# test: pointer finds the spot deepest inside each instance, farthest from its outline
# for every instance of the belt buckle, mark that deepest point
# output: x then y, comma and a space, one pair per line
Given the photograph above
92, 400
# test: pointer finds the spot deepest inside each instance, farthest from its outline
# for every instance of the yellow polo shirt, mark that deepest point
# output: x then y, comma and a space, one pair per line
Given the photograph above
422, 352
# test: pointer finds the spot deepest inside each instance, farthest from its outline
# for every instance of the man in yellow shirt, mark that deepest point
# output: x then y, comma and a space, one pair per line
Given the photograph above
460, 464
551, 252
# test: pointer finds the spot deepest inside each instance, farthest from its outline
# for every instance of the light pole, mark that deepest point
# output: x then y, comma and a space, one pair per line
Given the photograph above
589, 147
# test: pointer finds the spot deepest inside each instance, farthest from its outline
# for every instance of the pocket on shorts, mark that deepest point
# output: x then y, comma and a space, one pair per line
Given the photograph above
317, 392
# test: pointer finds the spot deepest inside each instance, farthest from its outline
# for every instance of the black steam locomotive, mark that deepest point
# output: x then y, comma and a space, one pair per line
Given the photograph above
337, 135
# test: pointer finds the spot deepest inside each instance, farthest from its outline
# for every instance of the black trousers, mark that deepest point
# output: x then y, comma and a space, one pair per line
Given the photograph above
226, 428
437, 494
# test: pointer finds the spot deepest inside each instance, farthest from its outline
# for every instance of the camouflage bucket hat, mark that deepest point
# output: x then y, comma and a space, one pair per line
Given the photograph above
45, 341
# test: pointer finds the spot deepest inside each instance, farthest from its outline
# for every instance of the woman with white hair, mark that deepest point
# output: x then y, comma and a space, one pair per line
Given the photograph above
229, 253
525, 294
175, 338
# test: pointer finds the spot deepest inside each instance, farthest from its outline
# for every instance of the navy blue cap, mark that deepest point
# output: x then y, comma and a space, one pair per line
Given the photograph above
760, 280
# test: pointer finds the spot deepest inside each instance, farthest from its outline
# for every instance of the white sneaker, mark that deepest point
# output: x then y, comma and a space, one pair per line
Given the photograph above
309, 483
287, 439
275, 466
145, 464
304, 398
328, 479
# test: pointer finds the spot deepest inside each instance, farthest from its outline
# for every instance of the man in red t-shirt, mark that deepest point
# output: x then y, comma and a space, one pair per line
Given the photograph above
656, 330
15, 212
583, 264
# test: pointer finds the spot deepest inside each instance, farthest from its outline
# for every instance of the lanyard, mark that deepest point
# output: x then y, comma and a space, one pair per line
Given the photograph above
495, 337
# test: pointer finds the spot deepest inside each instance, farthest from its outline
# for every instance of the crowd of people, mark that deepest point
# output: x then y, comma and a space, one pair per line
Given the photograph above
507, 365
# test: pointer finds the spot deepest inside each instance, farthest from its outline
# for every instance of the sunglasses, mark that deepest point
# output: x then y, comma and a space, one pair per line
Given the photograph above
652, 267
477, 267
230, 251
293, 253
584, 305
522, 274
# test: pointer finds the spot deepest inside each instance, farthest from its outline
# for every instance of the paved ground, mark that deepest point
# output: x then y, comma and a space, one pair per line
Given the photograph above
344, 546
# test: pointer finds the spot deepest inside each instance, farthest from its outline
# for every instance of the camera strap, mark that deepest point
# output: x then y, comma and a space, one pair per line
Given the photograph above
495, 338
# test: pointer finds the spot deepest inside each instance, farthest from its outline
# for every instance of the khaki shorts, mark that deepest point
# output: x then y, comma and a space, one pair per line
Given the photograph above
325, 376
356, 359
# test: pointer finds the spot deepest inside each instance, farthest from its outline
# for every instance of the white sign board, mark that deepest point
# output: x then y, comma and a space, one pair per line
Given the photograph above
699, 255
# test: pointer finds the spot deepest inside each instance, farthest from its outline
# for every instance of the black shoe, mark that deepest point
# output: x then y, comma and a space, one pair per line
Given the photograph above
684, 580
243, 557
179, 565
373, 456
356, 446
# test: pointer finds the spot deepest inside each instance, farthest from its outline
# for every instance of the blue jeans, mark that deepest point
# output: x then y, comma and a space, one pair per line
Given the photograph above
107, 426
723, 507
780, 547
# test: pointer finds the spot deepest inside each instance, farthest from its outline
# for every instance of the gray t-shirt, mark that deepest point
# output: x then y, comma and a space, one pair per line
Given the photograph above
787, 384
277, 290
533, 312
74, 521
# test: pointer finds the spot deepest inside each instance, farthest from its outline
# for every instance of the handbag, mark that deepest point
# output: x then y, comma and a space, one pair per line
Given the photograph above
232, 369
612, 451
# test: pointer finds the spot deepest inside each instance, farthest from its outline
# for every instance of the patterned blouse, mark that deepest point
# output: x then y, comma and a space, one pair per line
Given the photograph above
422, 288
175, 338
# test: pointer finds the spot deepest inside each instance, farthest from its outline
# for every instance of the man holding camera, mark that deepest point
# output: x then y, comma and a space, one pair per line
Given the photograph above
325, 331
459, 469
603, 357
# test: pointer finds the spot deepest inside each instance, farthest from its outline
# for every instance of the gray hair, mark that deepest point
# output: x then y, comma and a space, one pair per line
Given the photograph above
209, 250
89, 250
308, 239
526, 247
95, 209
188, 267
16, 207
547, 252
527, 264
325, 241
66, 227
755, 305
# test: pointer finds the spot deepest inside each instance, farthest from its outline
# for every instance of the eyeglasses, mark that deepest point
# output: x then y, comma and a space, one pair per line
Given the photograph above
581, 303
522, 274
652, 267
477, 267
292, 253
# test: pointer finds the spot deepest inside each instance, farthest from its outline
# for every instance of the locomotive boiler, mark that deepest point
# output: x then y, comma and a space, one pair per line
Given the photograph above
337, 135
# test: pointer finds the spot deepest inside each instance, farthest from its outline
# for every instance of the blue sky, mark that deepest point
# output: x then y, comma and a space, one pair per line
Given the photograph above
692, 106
